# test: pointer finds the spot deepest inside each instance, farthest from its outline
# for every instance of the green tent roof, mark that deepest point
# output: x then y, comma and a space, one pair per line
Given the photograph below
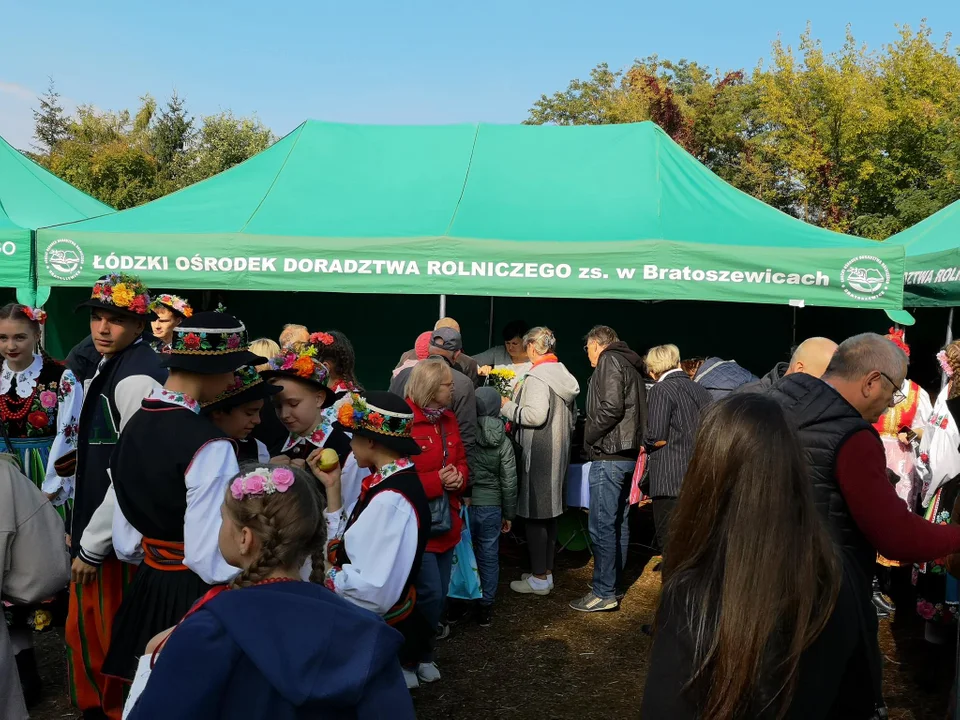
933, 259
616, 211
31, 197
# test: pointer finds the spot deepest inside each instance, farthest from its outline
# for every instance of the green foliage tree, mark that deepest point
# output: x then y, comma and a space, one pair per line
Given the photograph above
50, 123
172, 140
856, 140
224, 141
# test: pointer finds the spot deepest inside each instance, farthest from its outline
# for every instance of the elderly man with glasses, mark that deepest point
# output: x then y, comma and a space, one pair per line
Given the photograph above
848, 468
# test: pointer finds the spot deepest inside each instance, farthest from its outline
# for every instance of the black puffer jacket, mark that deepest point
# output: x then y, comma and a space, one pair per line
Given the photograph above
616, 405
767, 381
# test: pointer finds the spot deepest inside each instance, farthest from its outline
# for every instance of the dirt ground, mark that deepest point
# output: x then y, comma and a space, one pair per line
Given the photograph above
542, 660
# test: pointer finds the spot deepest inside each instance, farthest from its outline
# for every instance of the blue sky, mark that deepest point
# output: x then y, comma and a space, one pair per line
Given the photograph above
418, 61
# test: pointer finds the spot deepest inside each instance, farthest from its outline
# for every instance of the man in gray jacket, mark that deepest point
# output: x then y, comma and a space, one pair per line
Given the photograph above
446, 344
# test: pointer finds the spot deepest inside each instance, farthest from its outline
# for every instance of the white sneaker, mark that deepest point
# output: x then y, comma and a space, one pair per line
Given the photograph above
549, 578
410, 677
531, 585
428, 672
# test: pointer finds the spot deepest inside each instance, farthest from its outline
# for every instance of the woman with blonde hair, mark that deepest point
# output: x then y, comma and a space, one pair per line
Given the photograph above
543, 415
674, 404
442, 467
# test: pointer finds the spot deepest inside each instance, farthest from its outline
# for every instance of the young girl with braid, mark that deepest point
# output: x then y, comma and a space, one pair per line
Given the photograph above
269, 646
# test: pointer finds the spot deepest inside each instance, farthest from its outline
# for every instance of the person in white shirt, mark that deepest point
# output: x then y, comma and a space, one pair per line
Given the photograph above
170, 470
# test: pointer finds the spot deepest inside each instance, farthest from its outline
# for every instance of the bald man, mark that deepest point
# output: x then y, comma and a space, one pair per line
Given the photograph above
464, 363
811, 357
848, 467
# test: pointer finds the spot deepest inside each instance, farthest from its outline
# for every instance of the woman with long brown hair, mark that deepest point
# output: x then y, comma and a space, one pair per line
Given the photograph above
755, 619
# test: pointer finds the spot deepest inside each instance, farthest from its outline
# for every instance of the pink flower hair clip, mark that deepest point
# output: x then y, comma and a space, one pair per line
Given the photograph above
262, 481
945, 363
35, 314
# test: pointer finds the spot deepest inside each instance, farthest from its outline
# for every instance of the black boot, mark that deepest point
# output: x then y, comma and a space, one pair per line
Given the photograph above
29, 677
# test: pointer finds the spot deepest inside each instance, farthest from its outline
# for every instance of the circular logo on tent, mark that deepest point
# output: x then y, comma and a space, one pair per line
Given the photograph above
64, 259
866, 277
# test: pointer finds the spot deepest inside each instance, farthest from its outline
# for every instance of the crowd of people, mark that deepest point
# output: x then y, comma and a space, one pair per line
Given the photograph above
184, 490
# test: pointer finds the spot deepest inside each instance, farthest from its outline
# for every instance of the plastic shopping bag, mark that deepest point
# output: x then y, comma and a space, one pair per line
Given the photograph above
464, 577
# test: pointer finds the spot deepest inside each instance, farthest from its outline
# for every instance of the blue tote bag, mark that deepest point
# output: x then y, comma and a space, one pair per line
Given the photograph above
464, 577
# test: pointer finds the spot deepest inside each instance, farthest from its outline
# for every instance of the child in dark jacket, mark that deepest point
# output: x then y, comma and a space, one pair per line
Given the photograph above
494, 496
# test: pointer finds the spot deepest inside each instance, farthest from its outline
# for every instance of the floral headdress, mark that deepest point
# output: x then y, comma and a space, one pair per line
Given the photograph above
898, 338
355, 413
300, 361
262, 481
35, 314
189, 340
243, 379
174, 302
123, 291
945, 363
321, 338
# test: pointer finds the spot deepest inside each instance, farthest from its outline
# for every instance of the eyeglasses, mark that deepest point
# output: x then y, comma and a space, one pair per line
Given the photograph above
898, 396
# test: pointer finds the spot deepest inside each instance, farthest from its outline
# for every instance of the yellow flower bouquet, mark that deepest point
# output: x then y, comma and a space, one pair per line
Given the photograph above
500, 380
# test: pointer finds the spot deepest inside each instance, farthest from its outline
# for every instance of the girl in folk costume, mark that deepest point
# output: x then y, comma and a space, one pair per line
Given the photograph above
303, 407
336, 353
376, 546
900, 426
237, 412
167, 512
169, 313
39, 410
237, 654
937, 596
39, 404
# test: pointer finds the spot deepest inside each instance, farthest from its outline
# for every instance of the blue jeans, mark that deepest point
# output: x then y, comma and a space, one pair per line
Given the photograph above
485, 523
432, 585
609, 530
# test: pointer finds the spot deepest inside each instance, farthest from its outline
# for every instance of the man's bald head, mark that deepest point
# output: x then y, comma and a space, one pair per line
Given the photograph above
447, 322
812, 356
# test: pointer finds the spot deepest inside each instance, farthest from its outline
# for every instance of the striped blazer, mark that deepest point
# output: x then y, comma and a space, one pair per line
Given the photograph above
673, 414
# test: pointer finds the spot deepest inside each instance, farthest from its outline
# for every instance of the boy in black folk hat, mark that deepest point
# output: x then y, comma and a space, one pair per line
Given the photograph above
170, 472
376, 549
126, 372
237, 412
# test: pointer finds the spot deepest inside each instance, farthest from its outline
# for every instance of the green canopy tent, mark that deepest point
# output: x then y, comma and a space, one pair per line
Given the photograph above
31, 197
614, 212
932, 249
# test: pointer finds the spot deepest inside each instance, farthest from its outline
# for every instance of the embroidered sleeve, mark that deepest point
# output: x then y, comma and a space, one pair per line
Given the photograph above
69, 402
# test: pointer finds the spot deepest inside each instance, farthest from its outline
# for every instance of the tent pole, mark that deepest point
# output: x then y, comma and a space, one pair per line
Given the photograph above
943, 376
443, 306
490, 338
793, 342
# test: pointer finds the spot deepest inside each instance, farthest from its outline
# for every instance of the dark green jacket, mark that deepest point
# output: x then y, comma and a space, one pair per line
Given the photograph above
493, 478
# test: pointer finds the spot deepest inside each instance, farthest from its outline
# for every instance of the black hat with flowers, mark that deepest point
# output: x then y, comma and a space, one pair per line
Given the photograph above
247, 387
121, 294
382, 417
210, 343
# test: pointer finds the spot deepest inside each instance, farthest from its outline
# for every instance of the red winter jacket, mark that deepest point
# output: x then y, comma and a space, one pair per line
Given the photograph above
429, 436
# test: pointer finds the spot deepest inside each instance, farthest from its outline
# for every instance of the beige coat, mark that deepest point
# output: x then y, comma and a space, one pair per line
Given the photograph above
34, 565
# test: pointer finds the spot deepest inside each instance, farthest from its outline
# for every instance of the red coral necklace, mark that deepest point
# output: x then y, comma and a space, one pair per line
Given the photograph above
15, 409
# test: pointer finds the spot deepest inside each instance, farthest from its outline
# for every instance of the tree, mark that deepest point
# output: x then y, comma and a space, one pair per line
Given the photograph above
50, 124
172, 139
224, 141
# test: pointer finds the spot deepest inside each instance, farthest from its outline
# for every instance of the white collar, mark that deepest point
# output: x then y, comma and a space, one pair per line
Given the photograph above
669, 372
26, 379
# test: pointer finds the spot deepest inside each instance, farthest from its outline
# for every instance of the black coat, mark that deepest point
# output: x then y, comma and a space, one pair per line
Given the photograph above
616, 405
674, 415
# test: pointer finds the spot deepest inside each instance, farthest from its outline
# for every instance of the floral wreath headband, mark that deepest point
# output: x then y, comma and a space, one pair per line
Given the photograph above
243, 379
173, 302
300, 360
355, 413
262, 481
123, 291
899, 338
945, 363
208, 341
35, 314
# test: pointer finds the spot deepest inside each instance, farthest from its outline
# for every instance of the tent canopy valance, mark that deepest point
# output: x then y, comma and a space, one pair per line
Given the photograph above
932, 259
31, 197
616, 211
